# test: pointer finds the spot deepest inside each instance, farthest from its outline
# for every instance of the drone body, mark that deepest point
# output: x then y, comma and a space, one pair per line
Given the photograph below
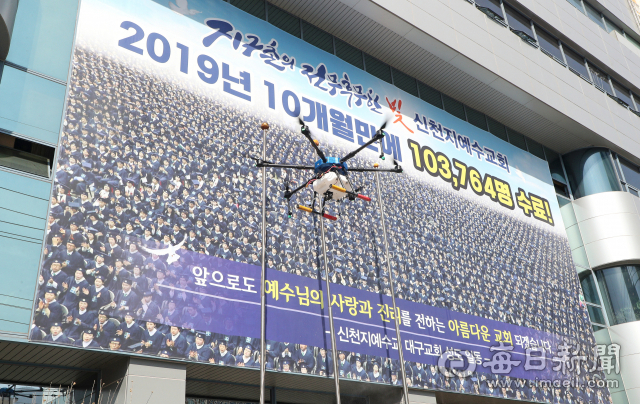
330, 181
331, 163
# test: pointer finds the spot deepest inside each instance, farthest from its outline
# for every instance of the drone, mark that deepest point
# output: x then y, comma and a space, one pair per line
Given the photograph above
330, 180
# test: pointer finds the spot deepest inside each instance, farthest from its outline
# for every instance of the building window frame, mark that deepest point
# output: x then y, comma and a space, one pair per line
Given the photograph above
632, 189
529, 39
545, 33
568, 50
499, 19
596, 286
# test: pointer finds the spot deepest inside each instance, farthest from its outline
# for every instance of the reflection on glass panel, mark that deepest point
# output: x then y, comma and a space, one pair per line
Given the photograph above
597, 328
623, 93
43, 36
517, 139
620, 287
577, 4
589, 287
30, 105
493, 5
594, 15
23, 161
600, 79
349, 53
595, 314
518, 22
317, 37
549, 44
24, 155
555, 165
594, 164
576, 62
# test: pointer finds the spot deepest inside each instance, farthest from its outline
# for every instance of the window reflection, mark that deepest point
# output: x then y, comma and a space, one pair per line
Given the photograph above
620, 287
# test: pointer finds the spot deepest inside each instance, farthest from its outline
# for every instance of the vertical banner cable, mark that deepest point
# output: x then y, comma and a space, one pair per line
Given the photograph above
264, 127
405, 388
334, 348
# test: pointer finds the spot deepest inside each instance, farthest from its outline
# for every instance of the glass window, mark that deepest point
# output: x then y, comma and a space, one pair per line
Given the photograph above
577, 4
497, 129
610, 27
283, 20
518, 22
600, 79
630, 172
620, 287
535, 148
623, 93
430, 95
594, 15
491, 5
377, 68
555, 166
23, 155
590, 172
636, 98
405, 82
549, 44
476, 118
43, 36
349, 53
31, 105
595, 314
517, 139
455, 108
575, 62
589, 287
317, 37
253, 7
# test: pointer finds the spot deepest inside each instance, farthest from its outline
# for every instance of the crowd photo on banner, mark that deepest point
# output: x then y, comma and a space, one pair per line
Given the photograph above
146, 165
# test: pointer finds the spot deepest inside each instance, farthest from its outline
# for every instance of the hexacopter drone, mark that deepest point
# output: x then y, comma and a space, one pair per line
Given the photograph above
331, 174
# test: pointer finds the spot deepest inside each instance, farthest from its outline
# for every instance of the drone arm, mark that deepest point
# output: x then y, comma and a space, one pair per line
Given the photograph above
275, 165
382, 170
305, 131
288, 194
379, 135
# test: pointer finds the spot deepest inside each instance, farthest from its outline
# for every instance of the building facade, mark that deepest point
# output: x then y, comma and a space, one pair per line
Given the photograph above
134, 172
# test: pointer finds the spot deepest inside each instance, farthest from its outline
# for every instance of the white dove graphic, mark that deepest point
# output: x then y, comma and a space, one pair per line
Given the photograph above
182, 7
170, 252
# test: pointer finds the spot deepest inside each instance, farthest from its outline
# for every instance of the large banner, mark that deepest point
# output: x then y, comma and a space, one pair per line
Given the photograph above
154, 241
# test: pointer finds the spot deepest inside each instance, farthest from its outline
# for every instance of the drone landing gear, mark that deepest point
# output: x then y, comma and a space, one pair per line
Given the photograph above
315, 212
351, 195
311, 209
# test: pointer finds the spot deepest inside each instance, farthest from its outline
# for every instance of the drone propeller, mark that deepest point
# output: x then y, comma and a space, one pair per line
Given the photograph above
397, 168
377, 137
384, 124
307, 133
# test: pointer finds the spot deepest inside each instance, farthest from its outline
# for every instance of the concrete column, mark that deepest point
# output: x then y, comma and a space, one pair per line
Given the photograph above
145, 381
